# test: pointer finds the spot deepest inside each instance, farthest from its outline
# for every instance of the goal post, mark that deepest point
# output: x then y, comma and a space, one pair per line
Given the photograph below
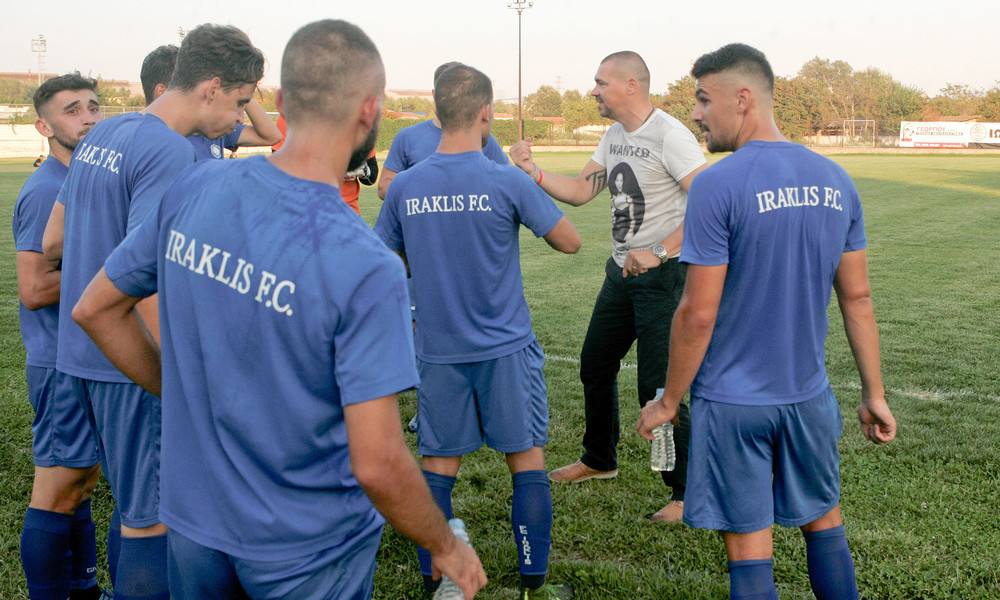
859, 133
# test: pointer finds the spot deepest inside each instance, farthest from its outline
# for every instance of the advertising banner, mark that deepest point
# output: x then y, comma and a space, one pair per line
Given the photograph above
914, 134
932, 135
984, 135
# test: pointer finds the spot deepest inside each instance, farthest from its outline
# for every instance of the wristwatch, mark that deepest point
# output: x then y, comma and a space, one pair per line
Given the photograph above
660, 252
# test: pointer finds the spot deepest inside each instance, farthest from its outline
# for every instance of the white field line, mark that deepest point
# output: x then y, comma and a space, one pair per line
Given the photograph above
935, 395
575, 361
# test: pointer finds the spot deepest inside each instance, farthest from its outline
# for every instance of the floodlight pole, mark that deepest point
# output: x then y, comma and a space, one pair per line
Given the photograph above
38, 45
519, 6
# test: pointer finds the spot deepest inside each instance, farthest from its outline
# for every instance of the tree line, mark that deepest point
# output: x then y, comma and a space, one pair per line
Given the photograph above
823, 94
820, 96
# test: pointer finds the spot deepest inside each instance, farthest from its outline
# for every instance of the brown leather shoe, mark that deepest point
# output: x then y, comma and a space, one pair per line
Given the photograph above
673, 512
579, 472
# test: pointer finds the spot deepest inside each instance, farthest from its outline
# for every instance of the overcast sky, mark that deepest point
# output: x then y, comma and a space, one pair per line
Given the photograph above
919, 42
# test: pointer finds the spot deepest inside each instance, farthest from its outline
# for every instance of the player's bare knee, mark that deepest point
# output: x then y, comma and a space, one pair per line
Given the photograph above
442, 465
89, 481
532, 459
62, 489
81, 482
828, 521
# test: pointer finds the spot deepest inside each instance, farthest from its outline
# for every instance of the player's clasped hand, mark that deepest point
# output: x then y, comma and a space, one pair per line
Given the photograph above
877, 422
520, 153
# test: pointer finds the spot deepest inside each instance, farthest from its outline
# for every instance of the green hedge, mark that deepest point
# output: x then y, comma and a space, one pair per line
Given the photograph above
388, 130
506, 131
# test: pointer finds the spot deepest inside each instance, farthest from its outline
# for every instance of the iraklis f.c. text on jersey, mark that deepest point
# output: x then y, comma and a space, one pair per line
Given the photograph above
238, 276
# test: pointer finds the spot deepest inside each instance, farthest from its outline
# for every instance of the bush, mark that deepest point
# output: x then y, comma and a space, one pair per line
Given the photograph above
506, 131
388, 130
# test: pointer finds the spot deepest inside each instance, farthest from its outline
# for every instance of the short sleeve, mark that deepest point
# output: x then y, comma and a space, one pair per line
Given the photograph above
30, 218
396, 160
376, 323
706, 224
856, 237
600, 155
534, 207
232, 140
681, 152
388, 227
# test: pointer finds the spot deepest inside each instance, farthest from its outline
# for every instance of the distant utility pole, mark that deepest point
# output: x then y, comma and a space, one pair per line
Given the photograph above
181, 32
38, 45
519, 6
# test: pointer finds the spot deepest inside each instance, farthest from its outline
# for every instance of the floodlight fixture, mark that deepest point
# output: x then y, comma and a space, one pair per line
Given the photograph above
39, 45
520, 6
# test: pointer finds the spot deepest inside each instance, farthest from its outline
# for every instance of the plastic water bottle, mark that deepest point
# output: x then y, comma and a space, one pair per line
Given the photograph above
662, 455
449, 590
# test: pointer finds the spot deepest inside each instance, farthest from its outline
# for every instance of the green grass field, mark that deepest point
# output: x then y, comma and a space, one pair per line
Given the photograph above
921, 512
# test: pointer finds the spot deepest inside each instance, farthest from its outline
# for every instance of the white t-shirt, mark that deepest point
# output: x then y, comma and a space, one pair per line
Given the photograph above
647, 165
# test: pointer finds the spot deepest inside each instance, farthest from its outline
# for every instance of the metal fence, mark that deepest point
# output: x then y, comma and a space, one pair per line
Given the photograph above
25, 113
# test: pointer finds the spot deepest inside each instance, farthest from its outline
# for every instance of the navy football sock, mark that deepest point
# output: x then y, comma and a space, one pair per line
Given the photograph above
142, 569
114, 544
83, 545
45, 553
752, 580
441, 486
531, 519
831, 568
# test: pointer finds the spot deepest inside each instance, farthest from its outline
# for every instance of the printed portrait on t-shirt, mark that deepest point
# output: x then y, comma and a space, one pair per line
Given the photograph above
628, 207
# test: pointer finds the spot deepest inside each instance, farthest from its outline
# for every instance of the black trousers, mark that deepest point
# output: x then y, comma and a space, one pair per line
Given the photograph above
634, 309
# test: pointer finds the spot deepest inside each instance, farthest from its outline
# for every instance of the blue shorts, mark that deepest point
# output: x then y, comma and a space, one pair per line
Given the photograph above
60, 434
752, 466
499, 402
346, 571
126, 421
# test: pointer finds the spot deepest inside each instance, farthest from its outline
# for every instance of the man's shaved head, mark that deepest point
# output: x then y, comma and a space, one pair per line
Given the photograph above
460, 92
629, 65
443, 68
329, 67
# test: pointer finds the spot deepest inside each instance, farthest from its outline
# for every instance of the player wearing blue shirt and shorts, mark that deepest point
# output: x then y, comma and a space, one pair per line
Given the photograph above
768, 232
58, 549
116, 178
281, 437
455, 218
412, 145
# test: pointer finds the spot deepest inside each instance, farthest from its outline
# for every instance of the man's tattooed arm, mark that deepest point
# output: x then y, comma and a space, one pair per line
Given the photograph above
597, 179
